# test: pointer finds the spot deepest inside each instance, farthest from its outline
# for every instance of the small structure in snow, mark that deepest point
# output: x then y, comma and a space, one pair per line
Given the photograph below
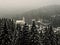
21, 22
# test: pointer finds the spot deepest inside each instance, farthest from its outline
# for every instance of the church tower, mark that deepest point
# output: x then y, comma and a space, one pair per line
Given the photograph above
23, 19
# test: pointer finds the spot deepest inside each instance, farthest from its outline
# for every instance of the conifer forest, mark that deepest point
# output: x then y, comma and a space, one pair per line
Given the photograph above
15, 34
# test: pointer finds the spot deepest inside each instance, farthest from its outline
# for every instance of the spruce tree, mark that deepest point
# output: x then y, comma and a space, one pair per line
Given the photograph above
41, 37
45, 37
4, 34
34, 37
25, 35
49, 36
18, 35
52, 37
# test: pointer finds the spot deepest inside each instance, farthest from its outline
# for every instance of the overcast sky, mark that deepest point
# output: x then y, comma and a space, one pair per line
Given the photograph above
26, 3
7, 6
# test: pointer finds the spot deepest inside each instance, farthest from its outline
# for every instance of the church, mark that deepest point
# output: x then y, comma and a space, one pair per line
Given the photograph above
21, 22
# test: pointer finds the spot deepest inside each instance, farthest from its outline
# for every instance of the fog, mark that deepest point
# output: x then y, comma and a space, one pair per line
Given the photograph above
8, 7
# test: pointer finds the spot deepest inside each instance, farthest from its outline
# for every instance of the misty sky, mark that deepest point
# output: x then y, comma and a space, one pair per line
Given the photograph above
11, 6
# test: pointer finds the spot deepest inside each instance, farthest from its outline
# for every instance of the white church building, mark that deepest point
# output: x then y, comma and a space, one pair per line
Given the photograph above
21, 22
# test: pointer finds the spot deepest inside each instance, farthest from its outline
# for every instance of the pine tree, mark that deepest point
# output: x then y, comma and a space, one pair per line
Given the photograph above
18, 35
45, 38
49, 37
34, 37
4, 34
25, 35
11, 28
41, 37
52, 37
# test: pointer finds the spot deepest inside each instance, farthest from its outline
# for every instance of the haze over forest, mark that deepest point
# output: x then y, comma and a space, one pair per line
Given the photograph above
16, 8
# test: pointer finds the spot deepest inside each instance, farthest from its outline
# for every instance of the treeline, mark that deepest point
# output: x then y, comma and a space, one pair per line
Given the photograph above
12, 34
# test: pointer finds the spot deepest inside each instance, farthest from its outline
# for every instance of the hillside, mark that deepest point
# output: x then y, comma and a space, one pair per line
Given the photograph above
43, 12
